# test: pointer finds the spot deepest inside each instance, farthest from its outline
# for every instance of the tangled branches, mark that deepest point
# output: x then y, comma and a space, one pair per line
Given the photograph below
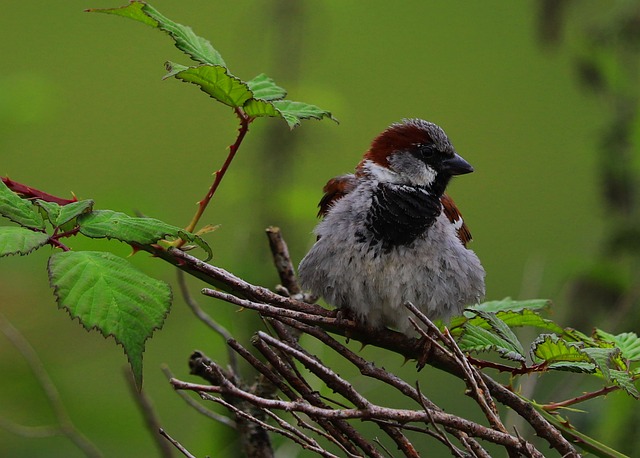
283, 401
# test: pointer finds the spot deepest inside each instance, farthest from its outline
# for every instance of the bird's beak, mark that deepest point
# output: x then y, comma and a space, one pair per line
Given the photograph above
457, 165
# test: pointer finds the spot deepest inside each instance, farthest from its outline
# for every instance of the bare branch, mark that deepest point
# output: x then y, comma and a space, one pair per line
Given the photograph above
205, 317
149, 414
175, 443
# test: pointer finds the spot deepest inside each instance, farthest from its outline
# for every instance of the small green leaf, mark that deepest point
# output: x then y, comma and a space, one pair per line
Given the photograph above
62, 214
294, 112
133, 10
508, 304
198, 48
18, 240
602, 357
559, 354
215, 80
624, 380
264, 88
479, 339
19, 210
501, 328
106, 292
144, 231
627, 342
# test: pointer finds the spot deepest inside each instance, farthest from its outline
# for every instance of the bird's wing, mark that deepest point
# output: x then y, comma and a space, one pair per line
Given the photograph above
335, 189
455, 217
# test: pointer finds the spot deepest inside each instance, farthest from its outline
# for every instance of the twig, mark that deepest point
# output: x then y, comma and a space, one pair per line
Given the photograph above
198, 407
205, 317
373, 412
65, 425
176, 444
282, 261
149, 414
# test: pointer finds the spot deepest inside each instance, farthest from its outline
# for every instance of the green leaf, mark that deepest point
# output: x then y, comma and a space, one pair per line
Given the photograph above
215, 80
264, 88
18, 240
106, 292
19, 210
294, 112
627, 342
501, 328
133, 10
62, 214
144, 231
198, 48
479, 339
527, 317
508, 304
602, 357
624, 380
559, 354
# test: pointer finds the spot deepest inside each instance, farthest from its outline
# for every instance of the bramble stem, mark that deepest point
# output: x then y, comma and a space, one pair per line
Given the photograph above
245, 120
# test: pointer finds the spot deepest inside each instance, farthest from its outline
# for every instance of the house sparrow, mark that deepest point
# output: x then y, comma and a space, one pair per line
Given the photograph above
390, 234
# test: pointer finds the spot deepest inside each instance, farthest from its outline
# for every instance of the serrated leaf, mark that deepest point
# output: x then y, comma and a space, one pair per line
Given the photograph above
18, 240
294, 112
62, 214
602, 357
559, 354
214, 80
265, 88
627, 342
625, 381
130, 229
527, 317
108, 293
501, 328
19, 210
479, 339
198, 48
508, 304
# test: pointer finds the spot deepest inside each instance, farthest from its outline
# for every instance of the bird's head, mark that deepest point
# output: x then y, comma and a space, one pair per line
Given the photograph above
413, 152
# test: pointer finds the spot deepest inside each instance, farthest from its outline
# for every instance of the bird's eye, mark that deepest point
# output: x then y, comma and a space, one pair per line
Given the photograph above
426, 151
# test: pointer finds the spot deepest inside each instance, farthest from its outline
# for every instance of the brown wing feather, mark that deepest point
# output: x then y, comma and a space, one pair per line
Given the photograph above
335, 189
455, 217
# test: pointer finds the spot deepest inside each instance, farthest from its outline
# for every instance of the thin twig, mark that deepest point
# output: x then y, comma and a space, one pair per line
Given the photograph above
149, 414
198, 407
176, 444
65, 425
372, 413
205, 317
282, 261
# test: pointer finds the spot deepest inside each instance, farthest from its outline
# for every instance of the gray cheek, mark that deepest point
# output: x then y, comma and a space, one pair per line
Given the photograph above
414, 170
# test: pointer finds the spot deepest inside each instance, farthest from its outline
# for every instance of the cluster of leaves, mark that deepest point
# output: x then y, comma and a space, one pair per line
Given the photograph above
100, 289
258, 97
488, 327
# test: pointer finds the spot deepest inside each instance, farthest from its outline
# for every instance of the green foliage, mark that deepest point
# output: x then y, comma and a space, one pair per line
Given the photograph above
258, 97
604, 355
19, 240
19, 210
107, 293
102, 290
144, 231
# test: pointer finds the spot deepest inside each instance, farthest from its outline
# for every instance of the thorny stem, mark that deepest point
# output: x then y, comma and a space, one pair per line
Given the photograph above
582, 398
245, 120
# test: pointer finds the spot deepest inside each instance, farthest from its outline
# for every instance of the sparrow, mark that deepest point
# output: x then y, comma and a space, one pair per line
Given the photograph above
389, 234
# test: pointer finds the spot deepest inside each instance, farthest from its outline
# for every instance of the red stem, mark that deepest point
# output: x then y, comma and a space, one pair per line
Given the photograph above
245, 120
32, 193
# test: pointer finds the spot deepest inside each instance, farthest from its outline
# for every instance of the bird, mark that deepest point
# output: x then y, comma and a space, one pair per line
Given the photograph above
389, 234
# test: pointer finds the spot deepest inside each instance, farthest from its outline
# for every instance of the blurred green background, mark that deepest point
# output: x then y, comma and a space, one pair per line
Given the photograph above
83, 109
